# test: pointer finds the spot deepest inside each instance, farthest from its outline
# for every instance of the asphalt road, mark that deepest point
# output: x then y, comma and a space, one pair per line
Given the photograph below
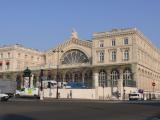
78, 110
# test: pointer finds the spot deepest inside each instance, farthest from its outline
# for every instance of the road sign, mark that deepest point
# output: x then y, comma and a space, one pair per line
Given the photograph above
140, 90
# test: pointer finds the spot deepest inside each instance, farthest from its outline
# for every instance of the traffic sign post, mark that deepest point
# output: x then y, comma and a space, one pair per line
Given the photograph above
153, 84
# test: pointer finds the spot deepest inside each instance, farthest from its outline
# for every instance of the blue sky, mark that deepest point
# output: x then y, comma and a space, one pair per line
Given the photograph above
42, 24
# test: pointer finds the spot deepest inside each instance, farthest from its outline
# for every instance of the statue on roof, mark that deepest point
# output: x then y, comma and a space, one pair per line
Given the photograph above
74, 34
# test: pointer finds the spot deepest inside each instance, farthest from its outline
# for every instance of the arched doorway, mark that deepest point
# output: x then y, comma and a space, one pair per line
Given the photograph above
68, 76
88, 79
77, 76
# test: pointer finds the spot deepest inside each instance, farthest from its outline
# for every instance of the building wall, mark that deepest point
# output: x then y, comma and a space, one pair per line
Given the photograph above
143, 58
16, 58
143, 55
148, 63
119, 47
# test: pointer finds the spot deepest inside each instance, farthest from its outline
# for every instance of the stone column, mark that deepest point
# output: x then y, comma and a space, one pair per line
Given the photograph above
73, 76
135, 73
83, 75
109, 84
108, 77
31, 81
95, 78
64, 78
120, 84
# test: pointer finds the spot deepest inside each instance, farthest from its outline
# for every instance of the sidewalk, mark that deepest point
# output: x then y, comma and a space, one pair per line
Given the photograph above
98, 101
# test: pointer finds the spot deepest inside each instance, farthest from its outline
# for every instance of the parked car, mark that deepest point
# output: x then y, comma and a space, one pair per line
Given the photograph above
4, 97
136, 96
27, 92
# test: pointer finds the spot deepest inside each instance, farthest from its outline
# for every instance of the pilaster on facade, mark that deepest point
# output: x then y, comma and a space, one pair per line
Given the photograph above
95, 78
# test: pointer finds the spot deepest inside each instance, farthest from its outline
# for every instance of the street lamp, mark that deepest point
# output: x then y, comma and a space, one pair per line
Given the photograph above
103, 88
57, 75
41, 87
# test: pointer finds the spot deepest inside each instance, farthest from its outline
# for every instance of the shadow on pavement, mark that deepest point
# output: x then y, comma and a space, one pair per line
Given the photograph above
15, 117
157, 117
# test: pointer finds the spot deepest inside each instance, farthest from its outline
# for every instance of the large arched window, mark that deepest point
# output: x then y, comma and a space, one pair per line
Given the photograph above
127, 74
102, 78
74, 56
114, 77
128, 78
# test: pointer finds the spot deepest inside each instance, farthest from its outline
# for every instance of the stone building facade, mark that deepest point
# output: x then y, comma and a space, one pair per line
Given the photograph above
120, 59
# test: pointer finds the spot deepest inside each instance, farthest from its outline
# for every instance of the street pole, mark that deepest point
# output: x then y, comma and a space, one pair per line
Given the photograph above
103, 90
153, 84
41, 88
57, 75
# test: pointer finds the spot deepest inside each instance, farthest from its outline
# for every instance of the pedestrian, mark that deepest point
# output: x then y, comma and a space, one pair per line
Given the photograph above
70, 93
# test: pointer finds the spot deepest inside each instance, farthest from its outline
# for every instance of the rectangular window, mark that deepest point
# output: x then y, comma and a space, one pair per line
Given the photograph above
126, 41
18, 64
26, 56
101, 56
19, 55
113, 56
9, 55
32, 58
101, 43
0, 65
113, 42
126, 55
7, 65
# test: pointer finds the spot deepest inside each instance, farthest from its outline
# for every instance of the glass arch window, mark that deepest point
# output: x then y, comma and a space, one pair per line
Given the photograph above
127, 74
74, 56
114, 77
102, 78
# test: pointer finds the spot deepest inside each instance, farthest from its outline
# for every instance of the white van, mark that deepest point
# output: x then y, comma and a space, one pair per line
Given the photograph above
28, 92
136, 96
